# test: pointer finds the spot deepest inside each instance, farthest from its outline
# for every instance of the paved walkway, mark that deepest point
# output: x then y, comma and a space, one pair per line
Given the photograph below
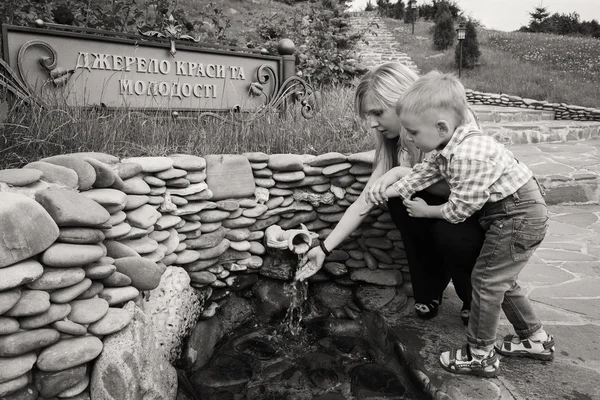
563, 281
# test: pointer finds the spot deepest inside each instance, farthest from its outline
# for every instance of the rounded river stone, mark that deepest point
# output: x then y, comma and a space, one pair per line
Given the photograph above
19, 343
87, 311
69, 353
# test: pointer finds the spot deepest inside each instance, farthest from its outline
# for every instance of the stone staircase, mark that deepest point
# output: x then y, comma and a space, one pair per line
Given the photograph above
380, 46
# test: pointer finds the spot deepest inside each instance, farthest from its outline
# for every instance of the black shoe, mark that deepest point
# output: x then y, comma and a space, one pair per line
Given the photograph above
428, 310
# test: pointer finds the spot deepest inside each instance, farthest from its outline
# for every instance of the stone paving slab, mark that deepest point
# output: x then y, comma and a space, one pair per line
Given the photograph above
569, 171
563, 282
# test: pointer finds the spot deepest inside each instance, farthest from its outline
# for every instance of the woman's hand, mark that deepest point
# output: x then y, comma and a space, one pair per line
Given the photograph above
311, 263
416, 207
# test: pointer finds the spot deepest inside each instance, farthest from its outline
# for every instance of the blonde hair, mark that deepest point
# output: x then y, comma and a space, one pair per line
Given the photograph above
435, 92
384, 85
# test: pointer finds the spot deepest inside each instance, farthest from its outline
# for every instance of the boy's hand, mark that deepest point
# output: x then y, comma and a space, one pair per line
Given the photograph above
376, 193
416, 208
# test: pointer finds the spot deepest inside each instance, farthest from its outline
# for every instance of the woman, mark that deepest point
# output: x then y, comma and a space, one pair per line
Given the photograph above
437, 251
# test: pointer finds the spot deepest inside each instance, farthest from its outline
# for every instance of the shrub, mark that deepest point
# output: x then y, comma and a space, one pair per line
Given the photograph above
470, 48
443, 32
369, 6
429, 11
323, 39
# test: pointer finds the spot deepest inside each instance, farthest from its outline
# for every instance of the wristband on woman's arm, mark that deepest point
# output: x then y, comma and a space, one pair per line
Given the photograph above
322, 246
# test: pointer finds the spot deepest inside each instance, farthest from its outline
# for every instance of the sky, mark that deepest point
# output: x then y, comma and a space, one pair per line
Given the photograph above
510, 15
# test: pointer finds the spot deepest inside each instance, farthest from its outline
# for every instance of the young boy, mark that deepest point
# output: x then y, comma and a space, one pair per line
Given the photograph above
482, 175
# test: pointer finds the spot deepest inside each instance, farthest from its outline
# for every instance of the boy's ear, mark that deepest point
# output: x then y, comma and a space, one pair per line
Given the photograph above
443, 127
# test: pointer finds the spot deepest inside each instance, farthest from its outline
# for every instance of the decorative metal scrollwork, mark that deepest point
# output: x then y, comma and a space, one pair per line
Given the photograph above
57, 76
291, 90
170, 30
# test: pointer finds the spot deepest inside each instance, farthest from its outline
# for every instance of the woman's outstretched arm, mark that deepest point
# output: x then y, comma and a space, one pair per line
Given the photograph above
350, 221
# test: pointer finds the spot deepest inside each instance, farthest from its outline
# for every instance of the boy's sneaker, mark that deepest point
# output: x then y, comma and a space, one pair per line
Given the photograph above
514, 346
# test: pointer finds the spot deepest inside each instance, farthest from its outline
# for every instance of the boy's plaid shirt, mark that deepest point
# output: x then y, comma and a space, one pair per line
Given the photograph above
477, 168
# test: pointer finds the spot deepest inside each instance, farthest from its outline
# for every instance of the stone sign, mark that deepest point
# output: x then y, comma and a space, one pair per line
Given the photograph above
88, 68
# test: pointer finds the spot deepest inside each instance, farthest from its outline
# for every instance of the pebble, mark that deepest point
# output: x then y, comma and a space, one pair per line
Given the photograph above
105, 176
86, 175
117, 231
107, 197
188, 162
54, 313
286, 162
23, 342
135, 185
69, 208
87, 311
135, 200
8, 325
171, 173
71, 255
118, 295
92, 291
56, 278
142, 245
80, 235
13, 367
8, 298
31, 302
151, 164
115, 320
98, 271
144, 274
126, 170
52, 383
69, 353
14, 385
69, 293
20, 177
26, 227
58, 174
116, 279
323, 160
69, 327
143, 217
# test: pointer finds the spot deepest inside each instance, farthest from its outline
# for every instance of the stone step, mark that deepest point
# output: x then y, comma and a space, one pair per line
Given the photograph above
487, 113
569, 172
559, 131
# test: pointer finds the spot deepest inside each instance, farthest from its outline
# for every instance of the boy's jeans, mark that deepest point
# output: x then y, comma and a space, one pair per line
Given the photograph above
515, 227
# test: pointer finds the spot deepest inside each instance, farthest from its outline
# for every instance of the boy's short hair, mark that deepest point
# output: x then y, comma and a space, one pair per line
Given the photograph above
435, 92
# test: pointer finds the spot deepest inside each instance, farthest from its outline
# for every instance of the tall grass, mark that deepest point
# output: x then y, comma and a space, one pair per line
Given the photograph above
29, 134
558, 69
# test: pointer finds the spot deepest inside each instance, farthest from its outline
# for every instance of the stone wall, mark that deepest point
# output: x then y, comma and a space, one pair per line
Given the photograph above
560, 110
85, 234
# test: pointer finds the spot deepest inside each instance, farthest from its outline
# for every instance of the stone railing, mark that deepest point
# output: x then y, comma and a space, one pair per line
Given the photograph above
96, 249
560, 110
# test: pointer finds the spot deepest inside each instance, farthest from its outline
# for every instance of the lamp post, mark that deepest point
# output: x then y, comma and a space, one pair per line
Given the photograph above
460, 34
413, 9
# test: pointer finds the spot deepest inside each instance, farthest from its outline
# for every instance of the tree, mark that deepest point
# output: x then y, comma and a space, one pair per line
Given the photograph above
470, 48
443, 7
538, 16
443, 32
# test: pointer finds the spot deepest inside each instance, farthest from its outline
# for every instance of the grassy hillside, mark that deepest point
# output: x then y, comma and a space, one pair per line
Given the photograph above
560, 69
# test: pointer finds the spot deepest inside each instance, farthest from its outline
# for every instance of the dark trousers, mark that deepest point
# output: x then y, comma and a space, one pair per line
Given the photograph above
438, 251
